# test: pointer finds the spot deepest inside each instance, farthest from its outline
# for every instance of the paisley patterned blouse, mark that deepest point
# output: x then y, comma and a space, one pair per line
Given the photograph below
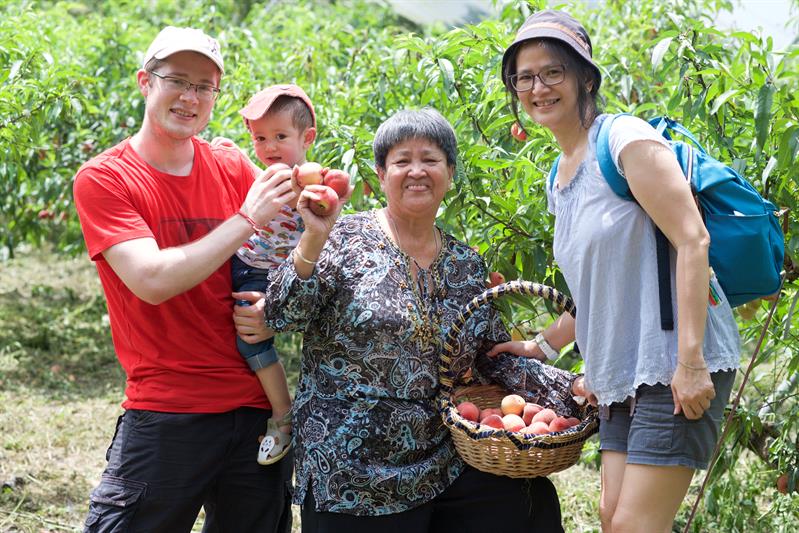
369, 438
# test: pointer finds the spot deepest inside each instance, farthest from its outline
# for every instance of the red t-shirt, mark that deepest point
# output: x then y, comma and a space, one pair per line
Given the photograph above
179, 356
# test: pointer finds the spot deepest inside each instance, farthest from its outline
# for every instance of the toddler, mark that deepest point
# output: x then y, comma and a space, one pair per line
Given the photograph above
282, 125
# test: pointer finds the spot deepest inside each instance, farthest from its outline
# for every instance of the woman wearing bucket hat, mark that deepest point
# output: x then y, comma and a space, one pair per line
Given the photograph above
661, 392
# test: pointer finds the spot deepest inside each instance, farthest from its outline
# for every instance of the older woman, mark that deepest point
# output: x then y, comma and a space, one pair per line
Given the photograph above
662, 392
373, 293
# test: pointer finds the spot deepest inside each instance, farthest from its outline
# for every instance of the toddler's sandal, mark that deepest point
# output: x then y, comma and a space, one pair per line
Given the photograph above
275, 444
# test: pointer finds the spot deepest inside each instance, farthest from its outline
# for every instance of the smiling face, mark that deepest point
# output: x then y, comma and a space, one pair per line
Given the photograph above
416, 178
175, 114
554, 107
277, 139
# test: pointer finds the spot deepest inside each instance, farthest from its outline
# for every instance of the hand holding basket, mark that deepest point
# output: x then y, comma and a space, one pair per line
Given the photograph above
499, 451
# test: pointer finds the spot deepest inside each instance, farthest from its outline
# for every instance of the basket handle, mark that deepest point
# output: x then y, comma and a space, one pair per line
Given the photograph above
561, 301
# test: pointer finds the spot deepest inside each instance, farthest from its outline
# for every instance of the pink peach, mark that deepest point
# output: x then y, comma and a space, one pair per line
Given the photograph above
559, 424
539, 428
545, 415
469, 411
494, 421
488, 411
530, 410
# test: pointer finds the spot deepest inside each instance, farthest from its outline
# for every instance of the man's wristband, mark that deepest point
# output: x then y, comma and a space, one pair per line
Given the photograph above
250, 221
545, 347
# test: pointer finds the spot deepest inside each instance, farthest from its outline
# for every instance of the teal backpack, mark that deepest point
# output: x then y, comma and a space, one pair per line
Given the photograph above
746, 241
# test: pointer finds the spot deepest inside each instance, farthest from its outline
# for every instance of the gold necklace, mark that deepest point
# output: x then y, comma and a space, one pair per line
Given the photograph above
427, 317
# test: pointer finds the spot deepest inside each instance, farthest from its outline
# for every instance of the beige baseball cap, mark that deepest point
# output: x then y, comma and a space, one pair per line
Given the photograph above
171, 40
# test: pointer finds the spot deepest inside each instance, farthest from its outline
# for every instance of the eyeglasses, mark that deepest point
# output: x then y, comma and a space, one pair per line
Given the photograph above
549, 76
206, 93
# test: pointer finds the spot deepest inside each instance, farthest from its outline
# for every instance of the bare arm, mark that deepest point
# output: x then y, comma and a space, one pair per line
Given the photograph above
558, 334
317, 229
156, 275
657, 182
249, 320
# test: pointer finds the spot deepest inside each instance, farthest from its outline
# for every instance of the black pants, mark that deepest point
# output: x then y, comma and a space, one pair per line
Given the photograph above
476, 502
162, 467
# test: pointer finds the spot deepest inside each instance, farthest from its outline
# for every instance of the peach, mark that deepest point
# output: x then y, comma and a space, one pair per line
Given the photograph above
338, 180
545, 415
559, 424
494, 421
309, 174
512, 404
494, 279
488, 411
782, 484
573, 421
539, 428
530, 410
469, 411
326, 203
512, 422
518, 132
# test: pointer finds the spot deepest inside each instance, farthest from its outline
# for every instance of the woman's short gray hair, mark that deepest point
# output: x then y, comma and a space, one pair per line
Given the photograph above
425, 123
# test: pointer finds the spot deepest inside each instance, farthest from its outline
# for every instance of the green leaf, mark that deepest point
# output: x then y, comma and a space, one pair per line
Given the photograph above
787, 150
772, 162
448, 75
721, 99
765, 98
346, 158
77, 107
659, 51
674, 102
14, 69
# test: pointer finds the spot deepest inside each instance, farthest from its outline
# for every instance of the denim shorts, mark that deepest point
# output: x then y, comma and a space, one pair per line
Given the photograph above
246, 278
652, 435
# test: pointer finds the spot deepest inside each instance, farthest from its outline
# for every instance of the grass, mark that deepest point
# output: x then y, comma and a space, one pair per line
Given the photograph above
60, 390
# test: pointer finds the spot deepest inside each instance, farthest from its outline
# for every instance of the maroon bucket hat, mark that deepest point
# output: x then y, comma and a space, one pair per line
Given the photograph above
551, 24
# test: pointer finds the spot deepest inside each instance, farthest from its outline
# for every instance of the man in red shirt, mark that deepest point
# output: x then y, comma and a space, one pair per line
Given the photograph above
162, 213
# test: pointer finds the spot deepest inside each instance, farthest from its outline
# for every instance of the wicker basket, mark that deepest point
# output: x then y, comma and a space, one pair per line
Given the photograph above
498, 451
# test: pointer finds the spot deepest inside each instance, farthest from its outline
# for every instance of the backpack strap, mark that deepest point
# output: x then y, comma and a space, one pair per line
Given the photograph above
606, 164
620, 186
553, 173
664, 124
617, 183
664, 280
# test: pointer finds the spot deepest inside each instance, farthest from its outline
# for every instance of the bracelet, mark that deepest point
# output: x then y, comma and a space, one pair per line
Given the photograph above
299, 256
547, 348
246, 217
689, 367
